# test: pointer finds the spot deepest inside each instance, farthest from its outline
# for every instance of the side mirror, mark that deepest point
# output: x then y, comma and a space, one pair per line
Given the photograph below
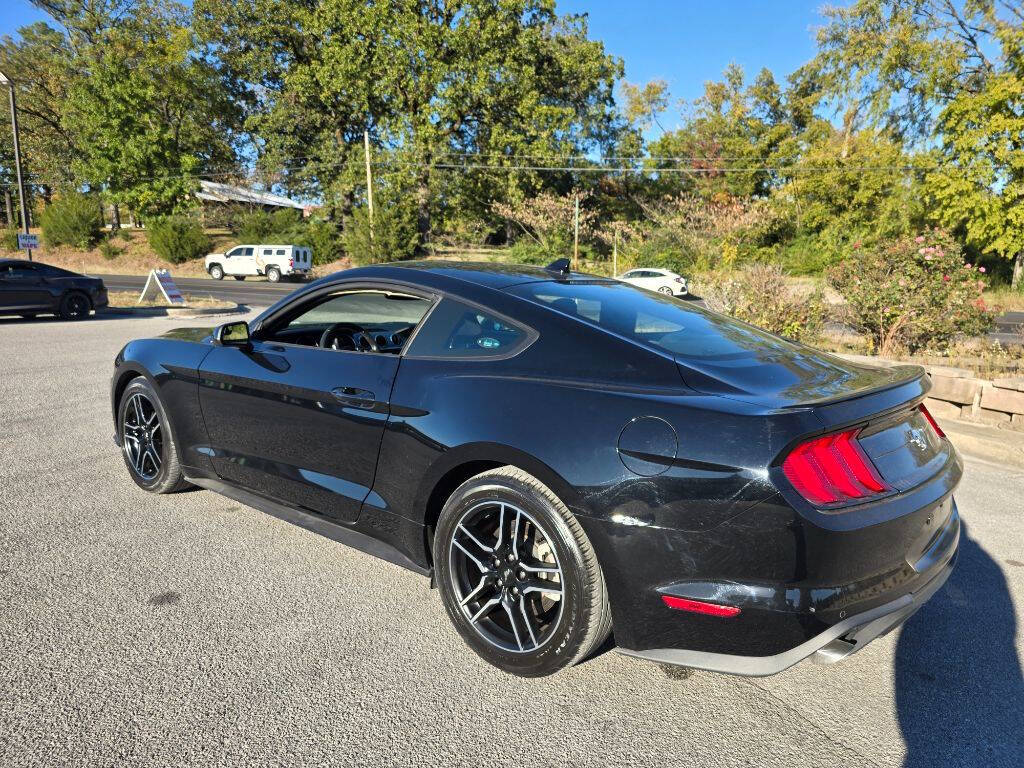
234, 334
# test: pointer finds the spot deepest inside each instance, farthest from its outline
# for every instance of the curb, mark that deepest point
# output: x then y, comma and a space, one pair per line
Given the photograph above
1001, 446
182, 312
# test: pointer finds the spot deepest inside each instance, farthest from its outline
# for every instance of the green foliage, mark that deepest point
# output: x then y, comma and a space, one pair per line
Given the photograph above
258, 226
72, 219
395, 236
914, 293
287, 226
147, 113
9, 239
108, 250
510, 77
760, 295
949, 74
177, 239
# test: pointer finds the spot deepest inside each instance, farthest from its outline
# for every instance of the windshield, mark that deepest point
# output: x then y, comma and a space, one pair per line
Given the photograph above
671, 325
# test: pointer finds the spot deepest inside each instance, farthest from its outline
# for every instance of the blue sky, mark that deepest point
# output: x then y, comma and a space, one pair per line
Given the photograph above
684, 42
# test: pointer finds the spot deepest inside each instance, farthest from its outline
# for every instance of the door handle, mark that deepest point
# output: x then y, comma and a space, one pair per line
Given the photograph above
355, 397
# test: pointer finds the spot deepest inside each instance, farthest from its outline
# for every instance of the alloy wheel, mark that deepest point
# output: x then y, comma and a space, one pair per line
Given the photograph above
77, 306
143, 439
506, 575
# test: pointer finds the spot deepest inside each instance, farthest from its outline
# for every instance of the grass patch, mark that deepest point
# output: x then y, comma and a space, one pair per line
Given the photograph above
192, 301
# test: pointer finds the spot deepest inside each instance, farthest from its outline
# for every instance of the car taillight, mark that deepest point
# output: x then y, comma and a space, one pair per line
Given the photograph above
832, 470
291, 263
680, 279
931, 420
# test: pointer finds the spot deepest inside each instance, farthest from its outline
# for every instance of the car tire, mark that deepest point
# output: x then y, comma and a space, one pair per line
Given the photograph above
558, 624
274, 275
216, 271
74, 306
239, 277
666, 290
150, 418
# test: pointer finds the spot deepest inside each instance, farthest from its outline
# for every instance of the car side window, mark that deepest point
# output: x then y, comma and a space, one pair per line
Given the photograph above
355, 317
280, 251
268, 251
22, 271
458, 330
248, 251
233, 252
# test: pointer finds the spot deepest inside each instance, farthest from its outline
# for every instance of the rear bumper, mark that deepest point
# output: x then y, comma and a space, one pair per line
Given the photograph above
847, 636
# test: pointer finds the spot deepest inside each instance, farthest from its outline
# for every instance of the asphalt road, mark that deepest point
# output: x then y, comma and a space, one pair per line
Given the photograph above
191, 630
253, 291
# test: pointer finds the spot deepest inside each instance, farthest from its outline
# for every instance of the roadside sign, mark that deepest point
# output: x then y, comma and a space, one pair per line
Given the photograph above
27, 242
160, 280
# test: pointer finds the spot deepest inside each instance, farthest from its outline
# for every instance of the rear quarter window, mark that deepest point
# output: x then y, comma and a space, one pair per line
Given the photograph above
458, 330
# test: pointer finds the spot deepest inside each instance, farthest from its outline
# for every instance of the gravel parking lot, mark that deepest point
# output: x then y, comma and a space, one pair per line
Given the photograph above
190, 630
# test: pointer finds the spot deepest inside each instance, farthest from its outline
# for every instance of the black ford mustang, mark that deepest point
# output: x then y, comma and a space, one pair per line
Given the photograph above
566, 455
28, 288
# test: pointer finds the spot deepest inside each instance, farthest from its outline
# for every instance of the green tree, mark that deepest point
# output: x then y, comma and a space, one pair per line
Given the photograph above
731, 139
40, 64
952, 74
431, 80
148, 114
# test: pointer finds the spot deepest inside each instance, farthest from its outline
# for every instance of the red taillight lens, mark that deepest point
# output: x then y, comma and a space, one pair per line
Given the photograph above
699, 606
833, 469
291, 263
931, 420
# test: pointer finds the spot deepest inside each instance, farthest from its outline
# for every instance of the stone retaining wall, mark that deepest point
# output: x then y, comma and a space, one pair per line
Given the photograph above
956, 394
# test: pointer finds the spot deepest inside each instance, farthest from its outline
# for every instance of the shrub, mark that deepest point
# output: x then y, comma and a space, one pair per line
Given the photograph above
760, 295
72, 219
108, 250
177, 238
915, 292
395, 236
9, 239
259, 226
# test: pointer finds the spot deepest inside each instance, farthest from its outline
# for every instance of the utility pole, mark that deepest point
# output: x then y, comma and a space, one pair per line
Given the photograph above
615, 252
4, 80
576, 235
369, 179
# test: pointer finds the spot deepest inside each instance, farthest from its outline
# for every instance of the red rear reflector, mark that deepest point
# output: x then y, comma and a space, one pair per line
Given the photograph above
931, 420
698, 606
832, 469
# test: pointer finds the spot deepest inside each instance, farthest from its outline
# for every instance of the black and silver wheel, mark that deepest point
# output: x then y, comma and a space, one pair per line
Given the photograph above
74, 306
274, 275
146, 439
666, 290
518, 575
216, 271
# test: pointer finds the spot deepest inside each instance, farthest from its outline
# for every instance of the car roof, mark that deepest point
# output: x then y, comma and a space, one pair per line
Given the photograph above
482, 273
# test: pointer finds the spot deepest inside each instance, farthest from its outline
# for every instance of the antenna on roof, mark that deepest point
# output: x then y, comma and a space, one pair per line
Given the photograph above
561, 266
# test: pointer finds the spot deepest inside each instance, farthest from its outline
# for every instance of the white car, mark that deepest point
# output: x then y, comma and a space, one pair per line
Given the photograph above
272, 261
660, 280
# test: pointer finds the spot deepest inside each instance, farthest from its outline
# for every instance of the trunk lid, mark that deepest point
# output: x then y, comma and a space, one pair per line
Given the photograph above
776, 373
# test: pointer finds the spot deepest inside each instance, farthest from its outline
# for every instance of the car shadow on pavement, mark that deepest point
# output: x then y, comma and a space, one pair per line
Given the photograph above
958, 679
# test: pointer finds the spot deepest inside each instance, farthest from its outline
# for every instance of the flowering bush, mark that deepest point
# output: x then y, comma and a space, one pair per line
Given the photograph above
915, 293
759, 295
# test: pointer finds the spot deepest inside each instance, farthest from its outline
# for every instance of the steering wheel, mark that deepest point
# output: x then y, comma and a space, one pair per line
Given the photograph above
348, 336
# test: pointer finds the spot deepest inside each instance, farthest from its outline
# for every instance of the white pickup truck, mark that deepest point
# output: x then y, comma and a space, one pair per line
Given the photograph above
272, 261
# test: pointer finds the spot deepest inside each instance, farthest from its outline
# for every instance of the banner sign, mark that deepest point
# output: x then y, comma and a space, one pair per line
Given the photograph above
27, 242
161, 280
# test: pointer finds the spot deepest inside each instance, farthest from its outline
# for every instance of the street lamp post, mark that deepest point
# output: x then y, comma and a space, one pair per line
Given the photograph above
4, 80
